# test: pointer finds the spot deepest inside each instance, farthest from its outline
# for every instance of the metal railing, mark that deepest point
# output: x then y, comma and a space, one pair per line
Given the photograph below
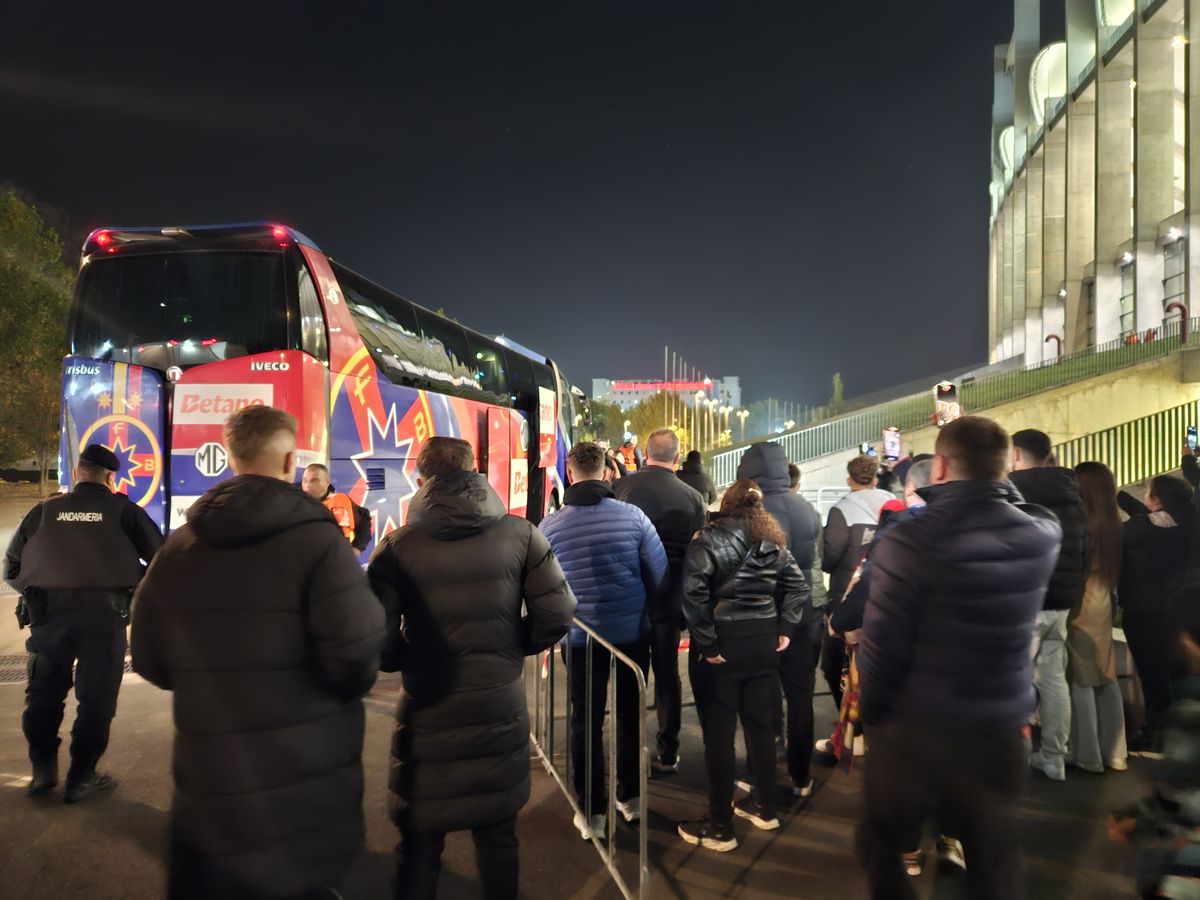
976, 395
1111, 38
549, 707
1135, 450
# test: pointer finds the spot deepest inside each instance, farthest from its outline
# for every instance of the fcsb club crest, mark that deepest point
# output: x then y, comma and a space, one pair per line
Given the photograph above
136, 448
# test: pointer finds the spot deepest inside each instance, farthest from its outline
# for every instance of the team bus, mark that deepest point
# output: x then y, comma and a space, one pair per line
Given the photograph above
172, 329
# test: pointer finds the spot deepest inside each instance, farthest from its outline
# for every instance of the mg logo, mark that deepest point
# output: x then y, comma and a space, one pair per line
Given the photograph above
211, 459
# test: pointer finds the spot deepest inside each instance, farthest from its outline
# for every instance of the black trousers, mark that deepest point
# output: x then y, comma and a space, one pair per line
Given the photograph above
192, 875
833, 661
724, 693
628, 714
798, 675
419, 862
1149, 637
969, 777
93, 640
668, 692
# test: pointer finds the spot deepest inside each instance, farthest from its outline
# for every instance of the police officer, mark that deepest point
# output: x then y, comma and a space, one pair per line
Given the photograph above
75, 560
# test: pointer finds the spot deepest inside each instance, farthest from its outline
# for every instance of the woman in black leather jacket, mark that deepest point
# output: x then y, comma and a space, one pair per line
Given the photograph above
744, 596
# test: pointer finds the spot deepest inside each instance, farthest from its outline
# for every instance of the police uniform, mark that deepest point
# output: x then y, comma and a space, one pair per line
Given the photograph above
75, 559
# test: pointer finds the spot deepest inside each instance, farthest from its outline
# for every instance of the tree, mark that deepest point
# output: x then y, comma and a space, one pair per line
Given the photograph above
837, 401
608, 423
35, 293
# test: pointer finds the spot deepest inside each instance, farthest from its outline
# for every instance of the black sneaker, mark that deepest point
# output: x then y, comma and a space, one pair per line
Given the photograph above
84, 787
746, 808
706, 833
45, 777
664, 766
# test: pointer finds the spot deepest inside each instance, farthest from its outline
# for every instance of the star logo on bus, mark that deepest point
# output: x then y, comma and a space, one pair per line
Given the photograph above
133, 464
104, 401
390, 428
132, 402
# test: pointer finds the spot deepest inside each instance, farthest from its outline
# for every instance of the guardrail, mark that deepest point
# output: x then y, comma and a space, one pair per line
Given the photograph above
976, 395
1135, 450
546, 714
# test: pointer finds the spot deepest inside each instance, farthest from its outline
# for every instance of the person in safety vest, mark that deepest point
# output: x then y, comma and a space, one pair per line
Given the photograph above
354, 521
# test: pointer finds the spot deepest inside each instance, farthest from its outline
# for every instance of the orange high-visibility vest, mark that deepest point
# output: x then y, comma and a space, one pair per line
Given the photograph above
342, 508
629, 454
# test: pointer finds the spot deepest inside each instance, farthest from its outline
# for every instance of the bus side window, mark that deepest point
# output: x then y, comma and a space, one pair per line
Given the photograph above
312, 322
447, 346
487, 360
522, 387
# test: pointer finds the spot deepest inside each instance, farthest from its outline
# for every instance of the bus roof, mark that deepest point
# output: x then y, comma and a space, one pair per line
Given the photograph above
112, 238
510, 344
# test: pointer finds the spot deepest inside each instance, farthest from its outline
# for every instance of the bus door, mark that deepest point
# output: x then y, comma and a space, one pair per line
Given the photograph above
123, 407
499, 456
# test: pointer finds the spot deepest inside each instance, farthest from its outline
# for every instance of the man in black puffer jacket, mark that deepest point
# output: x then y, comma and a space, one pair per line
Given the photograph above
766, 464
257, 615
677, 512
453, 580
946, 674
693, 475
1057, 489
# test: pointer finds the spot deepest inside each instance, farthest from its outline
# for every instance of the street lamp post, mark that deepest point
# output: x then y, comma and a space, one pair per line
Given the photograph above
742, 415
698, 422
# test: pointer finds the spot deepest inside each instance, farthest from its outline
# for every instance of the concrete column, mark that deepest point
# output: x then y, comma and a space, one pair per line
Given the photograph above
1155, 199
1006, 297
1081, 37
1054, 233
1192, 230
1031, 326
1080, 214
1114, 186
1020, 226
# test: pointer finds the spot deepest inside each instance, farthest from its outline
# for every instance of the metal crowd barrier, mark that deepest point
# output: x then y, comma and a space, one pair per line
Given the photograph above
545, 738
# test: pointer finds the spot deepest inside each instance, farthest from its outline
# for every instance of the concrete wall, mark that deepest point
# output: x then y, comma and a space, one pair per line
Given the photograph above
1063, 413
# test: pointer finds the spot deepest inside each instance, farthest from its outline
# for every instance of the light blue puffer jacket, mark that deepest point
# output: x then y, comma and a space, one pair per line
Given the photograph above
612, 557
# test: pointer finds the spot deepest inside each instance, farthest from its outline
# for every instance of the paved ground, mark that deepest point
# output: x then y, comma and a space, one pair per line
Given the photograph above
114, 846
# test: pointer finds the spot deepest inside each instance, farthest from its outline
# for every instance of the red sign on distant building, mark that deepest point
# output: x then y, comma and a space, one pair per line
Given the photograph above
678, 387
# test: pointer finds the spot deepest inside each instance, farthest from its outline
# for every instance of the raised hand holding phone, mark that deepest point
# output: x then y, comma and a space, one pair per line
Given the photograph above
945, 403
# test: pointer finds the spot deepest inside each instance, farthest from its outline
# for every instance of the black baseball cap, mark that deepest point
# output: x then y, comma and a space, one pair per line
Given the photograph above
99, 455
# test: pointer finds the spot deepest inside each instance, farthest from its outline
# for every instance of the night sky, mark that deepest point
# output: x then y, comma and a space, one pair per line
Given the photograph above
778, 190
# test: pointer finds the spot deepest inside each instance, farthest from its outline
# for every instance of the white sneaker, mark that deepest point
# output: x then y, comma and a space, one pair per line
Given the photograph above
1119, 765
824, 746
803, 791
950, 851
631, 809
860, 745
596, 825
1055, 770
743, 784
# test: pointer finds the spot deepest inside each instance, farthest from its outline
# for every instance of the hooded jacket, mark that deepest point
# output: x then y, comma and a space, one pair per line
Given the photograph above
848, 533
1057, 489
613, 559
453, 581
257, 615
693, 475
734, 589
766, 464
677, 512
954, 597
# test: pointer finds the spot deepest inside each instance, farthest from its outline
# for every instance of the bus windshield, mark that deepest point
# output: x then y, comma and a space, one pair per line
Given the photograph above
180, 309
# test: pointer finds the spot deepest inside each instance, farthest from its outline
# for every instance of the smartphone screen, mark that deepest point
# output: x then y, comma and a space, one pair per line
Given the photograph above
945, 399
891, 443
1191, 437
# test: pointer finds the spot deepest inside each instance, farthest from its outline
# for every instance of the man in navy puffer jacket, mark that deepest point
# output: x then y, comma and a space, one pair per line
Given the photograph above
614, 562
947, 676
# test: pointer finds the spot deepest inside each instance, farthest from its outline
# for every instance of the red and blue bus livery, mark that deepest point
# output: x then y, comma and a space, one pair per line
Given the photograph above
173, 329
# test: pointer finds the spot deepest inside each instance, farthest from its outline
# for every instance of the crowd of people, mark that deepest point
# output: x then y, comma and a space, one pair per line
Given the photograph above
971, 591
